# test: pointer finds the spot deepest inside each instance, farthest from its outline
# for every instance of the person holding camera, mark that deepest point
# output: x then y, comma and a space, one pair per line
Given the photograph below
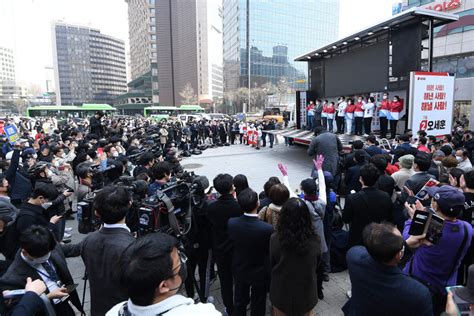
41, 258
448, 203
102, 249
153, 270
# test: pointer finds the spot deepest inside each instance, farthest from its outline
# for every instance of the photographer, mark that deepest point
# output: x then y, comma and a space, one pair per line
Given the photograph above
101, 249
96, 125
448, 203
146, 162
153, 270
161, 172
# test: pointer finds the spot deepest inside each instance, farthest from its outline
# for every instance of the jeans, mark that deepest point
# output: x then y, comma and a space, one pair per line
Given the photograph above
272, 139
331, 125
324, 120
349, 126
310, 122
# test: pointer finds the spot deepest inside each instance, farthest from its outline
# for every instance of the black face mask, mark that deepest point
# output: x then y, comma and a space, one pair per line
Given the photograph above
183, 274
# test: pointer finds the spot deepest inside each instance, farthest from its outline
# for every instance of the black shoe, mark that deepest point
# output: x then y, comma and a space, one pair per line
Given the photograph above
320, 294
325, 278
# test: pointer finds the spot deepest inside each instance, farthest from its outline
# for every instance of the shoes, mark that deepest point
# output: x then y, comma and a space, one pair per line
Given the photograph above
66, 241
325, 277
349, 294
67, 236
365, 135
320, 294
68, 229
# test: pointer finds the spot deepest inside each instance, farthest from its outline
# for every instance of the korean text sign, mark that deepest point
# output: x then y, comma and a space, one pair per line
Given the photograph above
432, 102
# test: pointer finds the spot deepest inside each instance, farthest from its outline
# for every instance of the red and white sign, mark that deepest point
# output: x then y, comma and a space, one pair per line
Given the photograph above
444, 6
431, 102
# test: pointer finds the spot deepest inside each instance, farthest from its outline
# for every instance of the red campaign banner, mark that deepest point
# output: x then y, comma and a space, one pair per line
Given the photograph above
251, 138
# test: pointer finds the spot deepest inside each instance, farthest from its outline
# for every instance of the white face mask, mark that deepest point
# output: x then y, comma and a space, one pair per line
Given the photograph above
63, 155
459, 159
385, 97
41, 260
115, 154
46, 205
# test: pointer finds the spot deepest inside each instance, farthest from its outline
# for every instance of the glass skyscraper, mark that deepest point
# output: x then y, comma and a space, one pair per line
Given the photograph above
279, 31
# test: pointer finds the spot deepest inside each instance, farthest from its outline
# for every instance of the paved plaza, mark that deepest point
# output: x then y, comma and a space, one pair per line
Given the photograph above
258, 166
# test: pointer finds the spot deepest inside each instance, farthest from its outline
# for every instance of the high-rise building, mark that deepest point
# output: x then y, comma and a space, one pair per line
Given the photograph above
89, 66
275, 32
7, 65
453, 50
189, 41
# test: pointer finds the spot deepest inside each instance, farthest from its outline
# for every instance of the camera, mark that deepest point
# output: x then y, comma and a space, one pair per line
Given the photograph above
86, 218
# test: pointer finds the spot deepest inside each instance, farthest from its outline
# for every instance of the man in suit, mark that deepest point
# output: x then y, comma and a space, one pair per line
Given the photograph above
42, 258
353, 173
379, 287
219, 214
328, 145
372, 149
251, 266
102, 249
366, 206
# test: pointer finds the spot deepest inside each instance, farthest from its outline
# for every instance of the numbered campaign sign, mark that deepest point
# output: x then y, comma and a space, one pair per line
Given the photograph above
12, 132
431, 102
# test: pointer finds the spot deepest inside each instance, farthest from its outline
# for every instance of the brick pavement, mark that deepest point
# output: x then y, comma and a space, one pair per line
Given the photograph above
258, 166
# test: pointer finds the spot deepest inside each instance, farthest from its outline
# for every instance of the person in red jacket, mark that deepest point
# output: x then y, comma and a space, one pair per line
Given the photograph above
330, 110
359, 116
349, 117
396, 107
384, 109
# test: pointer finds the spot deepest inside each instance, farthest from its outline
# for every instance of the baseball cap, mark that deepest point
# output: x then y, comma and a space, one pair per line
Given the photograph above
449, 199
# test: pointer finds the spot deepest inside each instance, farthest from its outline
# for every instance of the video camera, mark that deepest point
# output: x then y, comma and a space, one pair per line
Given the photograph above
170, 209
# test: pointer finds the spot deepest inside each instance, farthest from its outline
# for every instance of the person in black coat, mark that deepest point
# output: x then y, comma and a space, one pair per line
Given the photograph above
295, 254
353, 173
102, 249
96, 125
250, 262
219, 213
42, 258
366, 206
33, 211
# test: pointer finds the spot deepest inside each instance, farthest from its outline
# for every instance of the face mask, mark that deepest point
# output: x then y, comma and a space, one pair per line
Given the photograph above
46, 205
41, 260
115, 154
459, 159
385, 97
63, 155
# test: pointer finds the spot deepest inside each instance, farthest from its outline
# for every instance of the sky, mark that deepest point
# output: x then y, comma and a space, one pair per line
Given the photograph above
25, 26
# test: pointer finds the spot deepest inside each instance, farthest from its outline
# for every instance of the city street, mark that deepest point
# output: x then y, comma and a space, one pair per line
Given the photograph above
258, 166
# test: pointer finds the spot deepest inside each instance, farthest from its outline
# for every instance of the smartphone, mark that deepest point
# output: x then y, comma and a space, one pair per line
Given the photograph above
435, 229
71, 287
463, 306
13, 293
418, 223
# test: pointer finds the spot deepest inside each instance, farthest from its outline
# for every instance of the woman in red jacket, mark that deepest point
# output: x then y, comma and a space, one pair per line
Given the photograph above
331, 110
359, 116
324, 114
396, 107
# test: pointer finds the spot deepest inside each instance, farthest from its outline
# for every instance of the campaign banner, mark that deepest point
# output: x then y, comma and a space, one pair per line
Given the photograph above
12, 133
431, 102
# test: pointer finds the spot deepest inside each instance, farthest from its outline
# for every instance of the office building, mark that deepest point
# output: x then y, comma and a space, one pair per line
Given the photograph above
454, 50
275, 32
9, 89
189, 49
89, 66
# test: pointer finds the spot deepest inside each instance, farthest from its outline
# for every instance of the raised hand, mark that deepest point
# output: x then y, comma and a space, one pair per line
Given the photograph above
283, 169
318, 162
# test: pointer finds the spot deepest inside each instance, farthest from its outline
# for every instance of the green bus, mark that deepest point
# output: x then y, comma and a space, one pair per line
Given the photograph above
160, 113
66, 111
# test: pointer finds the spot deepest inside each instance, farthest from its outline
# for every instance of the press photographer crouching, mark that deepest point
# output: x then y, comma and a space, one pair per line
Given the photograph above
101, 249
153, 270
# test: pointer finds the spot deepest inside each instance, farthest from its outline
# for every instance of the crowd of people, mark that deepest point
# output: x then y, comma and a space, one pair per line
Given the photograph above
355, 211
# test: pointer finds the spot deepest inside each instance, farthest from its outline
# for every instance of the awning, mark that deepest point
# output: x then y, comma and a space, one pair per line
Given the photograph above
439, 18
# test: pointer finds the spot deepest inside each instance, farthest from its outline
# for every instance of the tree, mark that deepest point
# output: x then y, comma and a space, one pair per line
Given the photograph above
187, 94
281, 89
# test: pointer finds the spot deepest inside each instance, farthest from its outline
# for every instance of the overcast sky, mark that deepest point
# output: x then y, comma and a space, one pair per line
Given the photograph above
25, 25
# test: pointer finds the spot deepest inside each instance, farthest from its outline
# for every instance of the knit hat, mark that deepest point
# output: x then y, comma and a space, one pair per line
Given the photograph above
406, 161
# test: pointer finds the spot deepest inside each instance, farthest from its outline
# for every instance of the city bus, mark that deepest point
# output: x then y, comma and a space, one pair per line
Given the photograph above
160, 113
190, 109
66, 111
